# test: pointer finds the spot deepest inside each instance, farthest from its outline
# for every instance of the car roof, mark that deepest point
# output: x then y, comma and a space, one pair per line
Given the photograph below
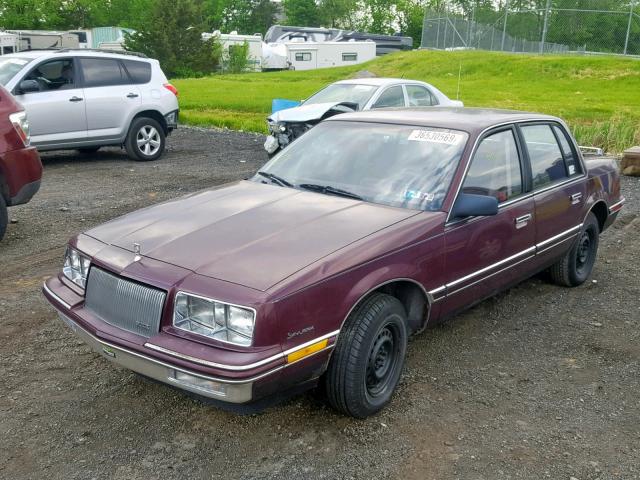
455, 118
80, 52
378, 82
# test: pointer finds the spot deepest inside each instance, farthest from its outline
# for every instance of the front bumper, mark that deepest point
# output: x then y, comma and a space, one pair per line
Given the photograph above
237, 391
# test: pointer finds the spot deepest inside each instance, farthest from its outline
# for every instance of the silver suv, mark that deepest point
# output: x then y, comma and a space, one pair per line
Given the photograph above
86, 99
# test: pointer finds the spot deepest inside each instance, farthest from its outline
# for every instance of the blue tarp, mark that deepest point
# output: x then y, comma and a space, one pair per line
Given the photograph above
278, 104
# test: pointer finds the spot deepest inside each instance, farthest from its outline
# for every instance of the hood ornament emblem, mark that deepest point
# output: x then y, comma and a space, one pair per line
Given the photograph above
136, 252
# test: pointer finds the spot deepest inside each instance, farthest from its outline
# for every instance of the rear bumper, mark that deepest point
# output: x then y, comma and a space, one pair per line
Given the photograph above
22, 171
172, 119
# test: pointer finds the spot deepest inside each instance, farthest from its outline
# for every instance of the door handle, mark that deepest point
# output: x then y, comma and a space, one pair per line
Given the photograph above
75, 99
575, 198
132, 95
522, 220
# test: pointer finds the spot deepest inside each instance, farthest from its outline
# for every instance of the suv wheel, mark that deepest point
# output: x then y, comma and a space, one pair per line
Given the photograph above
367, 362
146, 140
4, 217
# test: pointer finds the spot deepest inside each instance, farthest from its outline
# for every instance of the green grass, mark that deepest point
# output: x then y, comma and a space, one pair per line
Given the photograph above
598, 96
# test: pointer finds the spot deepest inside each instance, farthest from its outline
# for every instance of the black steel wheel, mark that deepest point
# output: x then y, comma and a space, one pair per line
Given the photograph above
368, 359
577, 264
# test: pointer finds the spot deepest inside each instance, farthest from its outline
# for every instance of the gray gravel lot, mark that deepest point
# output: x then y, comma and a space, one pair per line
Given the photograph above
539, 382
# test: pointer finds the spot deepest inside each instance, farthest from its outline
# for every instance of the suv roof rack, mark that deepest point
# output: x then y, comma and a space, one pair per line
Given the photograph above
102, 50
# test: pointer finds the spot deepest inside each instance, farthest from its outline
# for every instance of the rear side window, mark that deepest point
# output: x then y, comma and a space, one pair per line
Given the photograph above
547, 161
140, 72
573, 166
419, 96
495, 168
391, 97
103, 72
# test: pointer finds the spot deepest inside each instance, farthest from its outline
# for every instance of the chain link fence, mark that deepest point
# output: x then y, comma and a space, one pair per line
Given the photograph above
544, 30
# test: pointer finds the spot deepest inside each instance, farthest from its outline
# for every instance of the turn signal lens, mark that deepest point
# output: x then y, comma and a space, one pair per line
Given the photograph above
306, 351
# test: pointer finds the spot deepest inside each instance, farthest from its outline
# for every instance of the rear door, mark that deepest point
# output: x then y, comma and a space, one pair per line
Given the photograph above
57, 112
111, 98
485, 254
558, 187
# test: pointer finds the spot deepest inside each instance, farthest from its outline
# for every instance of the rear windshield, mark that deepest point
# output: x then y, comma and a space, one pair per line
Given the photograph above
9, 66
140, 72
396, 165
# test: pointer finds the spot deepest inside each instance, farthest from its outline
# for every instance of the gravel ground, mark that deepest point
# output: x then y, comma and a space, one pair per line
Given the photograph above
539, 382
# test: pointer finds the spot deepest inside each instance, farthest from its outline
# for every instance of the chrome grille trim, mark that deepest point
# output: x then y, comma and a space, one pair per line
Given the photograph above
123, 303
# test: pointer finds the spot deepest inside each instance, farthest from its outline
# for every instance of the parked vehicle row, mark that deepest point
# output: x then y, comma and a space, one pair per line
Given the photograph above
85, 99
365, 230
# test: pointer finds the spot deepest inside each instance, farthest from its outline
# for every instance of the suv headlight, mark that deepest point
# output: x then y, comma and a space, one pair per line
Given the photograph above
76, 267
213, 319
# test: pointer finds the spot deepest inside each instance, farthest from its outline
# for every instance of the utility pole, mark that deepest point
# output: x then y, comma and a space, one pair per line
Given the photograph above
626, 40
545, 26
504, 26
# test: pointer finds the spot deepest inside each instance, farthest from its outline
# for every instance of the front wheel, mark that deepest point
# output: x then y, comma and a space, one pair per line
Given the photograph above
575, 267
146, 140
368, 358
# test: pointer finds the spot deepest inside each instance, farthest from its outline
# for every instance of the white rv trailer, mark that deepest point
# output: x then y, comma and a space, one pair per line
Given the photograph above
229, 40
8, 43
43, 39
311, 55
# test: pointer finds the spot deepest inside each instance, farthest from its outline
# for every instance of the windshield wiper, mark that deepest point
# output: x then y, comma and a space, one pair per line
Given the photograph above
276, 179
328, 189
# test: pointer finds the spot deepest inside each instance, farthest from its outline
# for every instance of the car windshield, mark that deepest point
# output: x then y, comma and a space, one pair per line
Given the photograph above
9, 66
343, 92
396, 165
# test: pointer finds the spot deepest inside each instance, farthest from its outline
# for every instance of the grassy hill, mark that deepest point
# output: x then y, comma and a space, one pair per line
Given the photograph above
598, 96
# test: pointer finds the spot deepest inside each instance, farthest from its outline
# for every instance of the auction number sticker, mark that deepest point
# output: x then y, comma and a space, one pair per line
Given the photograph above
435, 137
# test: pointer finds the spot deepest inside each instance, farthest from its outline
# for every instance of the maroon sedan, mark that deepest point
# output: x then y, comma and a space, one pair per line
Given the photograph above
20, 166
367, 229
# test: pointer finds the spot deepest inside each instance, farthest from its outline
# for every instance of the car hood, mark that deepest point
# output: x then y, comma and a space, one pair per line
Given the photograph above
303, 113
248, 233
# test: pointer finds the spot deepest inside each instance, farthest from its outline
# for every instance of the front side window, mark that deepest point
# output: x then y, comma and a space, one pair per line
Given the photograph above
419, 96
54, 75
547, 162
391, 97
396, 165
303, 56
102, 72
495, 168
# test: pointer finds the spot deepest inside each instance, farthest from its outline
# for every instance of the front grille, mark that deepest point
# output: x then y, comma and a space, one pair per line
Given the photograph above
123, 303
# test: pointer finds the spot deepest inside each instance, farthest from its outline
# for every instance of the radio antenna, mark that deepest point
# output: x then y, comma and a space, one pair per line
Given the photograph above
459, 75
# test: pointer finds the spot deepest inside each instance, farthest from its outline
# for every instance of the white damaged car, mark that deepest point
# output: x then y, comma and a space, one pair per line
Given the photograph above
348, 96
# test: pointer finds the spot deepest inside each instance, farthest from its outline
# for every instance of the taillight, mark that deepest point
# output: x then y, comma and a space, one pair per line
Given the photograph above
21, 124
171, 88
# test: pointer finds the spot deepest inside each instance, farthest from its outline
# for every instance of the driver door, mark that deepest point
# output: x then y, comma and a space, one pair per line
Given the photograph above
56, 111
485, 254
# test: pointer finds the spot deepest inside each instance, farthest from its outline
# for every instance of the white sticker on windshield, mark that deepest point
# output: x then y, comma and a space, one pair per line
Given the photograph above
435, 137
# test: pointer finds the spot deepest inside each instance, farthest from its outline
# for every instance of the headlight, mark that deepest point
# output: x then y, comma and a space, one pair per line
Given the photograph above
213, 319
76, 267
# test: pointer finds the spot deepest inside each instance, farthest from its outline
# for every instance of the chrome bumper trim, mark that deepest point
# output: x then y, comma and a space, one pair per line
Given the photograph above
237, 391
239, 368
56, 297
616, 207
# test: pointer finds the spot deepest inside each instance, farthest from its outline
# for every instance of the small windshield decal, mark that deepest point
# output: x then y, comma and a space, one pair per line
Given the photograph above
416, 195
435, 137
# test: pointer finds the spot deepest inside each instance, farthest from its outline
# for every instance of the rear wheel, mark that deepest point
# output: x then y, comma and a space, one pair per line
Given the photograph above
368, 360
575, 267
4, 217
145, 140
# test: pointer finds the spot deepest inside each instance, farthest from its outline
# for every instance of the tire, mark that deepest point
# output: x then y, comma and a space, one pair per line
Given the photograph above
575, 267
4, 217
146, 140
368, 359
88, 149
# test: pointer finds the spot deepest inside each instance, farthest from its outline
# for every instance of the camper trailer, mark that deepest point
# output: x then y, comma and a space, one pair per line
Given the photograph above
42, 39
312, 55
8, 43
232, 39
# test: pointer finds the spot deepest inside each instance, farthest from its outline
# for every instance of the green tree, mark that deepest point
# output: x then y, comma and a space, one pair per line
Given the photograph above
29, 14
172, 35
302, 13
338, 13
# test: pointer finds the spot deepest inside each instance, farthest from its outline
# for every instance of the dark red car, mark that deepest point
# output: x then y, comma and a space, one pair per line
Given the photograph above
367, 229
20, 166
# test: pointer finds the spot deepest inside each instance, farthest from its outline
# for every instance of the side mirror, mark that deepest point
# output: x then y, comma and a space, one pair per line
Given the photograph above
470, 205
28, 86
